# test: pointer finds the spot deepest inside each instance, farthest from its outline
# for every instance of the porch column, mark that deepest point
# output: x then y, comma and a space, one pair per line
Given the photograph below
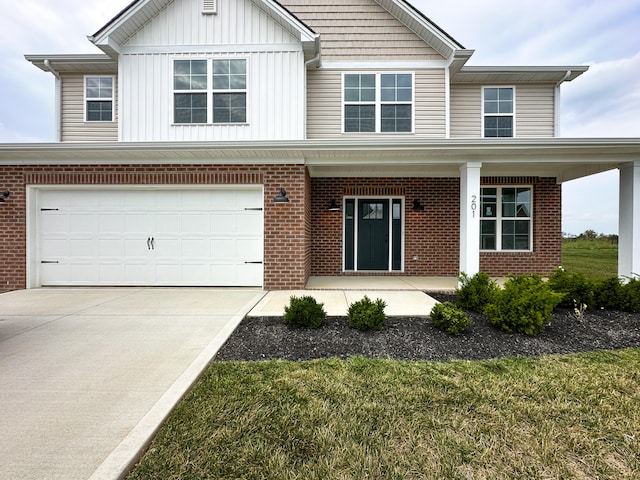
470, 218
629, 220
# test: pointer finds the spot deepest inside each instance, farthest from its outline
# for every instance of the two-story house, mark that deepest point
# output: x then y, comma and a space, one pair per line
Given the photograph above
261, 142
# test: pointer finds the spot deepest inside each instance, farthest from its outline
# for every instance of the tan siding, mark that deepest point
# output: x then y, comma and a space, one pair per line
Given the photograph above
430, 108
324, 107
74, 128
466, 107
535, 110
360, 30
324, 115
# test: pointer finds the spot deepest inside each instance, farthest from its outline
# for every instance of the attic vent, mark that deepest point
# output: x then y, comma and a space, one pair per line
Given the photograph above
209, 7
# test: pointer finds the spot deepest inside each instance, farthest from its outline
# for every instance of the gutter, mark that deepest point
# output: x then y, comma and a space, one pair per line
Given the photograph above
58, 103
556, 120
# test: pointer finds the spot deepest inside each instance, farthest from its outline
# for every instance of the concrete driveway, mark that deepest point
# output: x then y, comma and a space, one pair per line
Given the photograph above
87, 374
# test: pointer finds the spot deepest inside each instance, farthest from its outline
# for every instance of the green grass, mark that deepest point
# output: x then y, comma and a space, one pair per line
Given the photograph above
596, 259
560, 417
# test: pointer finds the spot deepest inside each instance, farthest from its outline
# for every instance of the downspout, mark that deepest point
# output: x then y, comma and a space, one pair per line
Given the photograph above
58, 106
307, 64
556, 129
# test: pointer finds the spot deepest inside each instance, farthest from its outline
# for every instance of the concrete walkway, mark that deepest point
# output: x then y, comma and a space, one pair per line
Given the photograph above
404, 296
87, 375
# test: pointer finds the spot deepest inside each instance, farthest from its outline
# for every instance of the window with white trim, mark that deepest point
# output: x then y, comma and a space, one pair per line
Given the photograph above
210, 91
378, 102
229, 91
505, 218
99, 98
498, 111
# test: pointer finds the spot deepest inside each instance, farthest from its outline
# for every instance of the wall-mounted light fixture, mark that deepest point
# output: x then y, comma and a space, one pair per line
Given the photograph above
417, 205
282, 197
5, 195
334, 207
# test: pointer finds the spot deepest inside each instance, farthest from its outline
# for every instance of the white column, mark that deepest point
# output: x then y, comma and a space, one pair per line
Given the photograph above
470, 218
629, 220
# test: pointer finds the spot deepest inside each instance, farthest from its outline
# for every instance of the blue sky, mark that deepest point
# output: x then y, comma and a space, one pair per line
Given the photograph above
604, 102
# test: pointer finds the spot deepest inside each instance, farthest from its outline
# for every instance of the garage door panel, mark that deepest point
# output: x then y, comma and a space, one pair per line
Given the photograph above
168, 223
150, 237
195, 223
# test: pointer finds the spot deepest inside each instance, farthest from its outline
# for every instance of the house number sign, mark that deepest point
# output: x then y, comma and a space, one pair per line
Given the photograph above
474, 205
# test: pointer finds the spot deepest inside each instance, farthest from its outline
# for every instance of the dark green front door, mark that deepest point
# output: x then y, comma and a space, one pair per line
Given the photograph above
373, 234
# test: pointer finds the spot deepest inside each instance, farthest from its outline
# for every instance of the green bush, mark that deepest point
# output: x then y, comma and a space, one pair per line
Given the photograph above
367, 315
630, 293
607, 294
449, 318
576, 288
474, 293
304, 312
524, 305
612, 294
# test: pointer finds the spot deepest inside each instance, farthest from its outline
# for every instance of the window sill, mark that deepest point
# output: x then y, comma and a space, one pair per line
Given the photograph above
209, 124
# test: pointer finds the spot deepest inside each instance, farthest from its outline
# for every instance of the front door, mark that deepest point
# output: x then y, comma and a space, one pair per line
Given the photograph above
373, 230
373, 234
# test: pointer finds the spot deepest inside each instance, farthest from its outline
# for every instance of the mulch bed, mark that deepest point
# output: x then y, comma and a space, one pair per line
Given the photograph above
415, 338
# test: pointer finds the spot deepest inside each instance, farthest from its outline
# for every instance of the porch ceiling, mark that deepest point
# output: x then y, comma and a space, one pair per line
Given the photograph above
564, 159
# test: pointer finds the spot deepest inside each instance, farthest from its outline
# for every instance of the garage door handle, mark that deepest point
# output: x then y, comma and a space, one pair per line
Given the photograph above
148, 243
252, 262
153, 244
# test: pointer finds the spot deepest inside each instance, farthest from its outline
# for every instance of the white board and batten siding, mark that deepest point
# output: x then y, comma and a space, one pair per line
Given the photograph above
238, 30
324, 104
74, 127
147, 236
535, 105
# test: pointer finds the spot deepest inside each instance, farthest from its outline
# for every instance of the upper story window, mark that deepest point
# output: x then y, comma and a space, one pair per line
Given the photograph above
378, 102
99, 99
210, 91
498, 111
505, 218
229, 91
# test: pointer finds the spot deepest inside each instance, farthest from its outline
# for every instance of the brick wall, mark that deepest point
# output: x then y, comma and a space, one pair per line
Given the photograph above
547, 231
287, 242
432, 236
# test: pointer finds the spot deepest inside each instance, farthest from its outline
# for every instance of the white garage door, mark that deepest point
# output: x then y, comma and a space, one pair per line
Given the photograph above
150, 237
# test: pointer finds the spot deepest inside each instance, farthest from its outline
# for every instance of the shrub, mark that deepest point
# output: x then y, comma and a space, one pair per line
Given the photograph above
304, 312
474, 293
576, 288
630, 296
449, 318
607, 293
524, 305
366, 314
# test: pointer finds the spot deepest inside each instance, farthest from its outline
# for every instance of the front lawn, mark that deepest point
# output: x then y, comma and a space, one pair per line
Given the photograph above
597, 259
572, 416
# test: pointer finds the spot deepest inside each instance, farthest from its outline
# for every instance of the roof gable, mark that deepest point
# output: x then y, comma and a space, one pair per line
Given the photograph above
373, 30
119, 30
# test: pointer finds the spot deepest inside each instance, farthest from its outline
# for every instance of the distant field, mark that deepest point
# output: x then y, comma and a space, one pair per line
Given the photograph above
594, 258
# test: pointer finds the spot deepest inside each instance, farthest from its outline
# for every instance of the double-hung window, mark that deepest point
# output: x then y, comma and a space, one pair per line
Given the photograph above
190, 91
98, 93
378, 102
505, 218
210, 91
498, 111
229, 91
